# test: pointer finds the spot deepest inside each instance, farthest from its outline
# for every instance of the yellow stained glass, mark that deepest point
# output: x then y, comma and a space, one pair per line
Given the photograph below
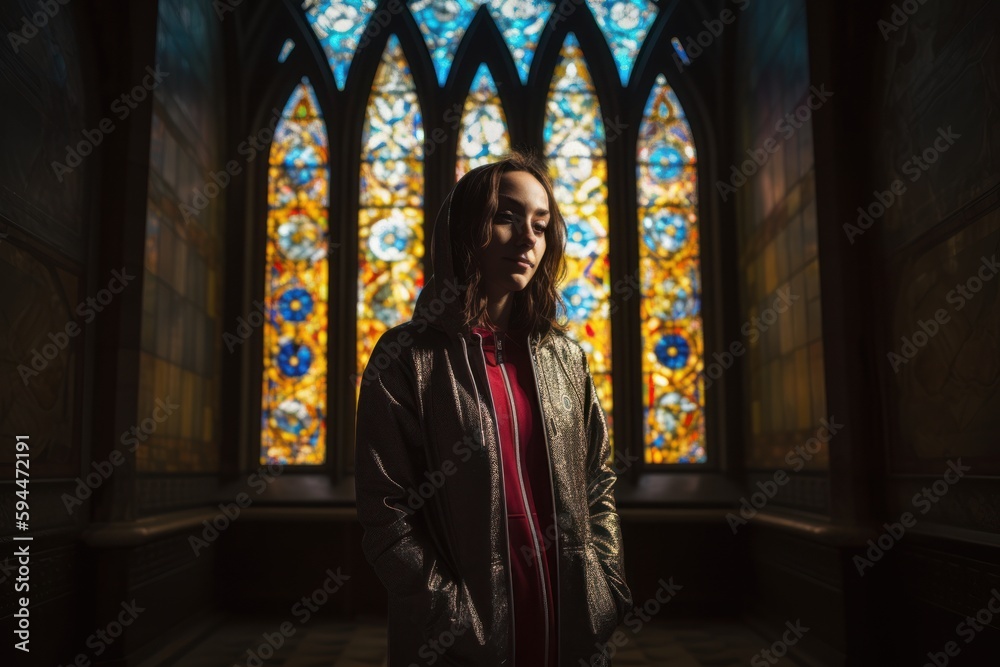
391, 218
575, 152
484, 128
670, 283
293, 397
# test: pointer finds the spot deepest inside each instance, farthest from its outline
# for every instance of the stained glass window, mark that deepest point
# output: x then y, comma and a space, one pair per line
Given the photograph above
391, 216
670, 310
624, 24
293, 401
339, 26
575, 151
442, 24
484, 127
391, 202
521, 23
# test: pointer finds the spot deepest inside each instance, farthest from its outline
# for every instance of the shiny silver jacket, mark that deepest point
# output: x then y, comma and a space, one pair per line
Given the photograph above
430, 492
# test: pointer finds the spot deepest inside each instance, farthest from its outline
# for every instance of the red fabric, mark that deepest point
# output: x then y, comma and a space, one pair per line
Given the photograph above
529, 621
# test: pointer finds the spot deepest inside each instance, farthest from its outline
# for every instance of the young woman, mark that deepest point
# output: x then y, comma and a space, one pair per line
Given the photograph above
481, 453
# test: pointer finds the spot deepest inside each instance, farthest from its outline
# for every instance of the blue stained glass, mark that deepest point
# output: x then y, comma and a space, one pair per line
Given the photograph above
391, 239
293, 416
339, 26
442, 23
581, 239
625, 24
521, 23
672, 351
679, 48
294, 359
295, 305
580, 299
665, 232
286, 50
666, 162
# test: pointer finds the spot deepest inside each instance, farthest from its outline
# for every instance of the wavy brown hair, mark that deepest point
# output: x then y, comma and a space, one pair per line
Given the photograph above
473, 206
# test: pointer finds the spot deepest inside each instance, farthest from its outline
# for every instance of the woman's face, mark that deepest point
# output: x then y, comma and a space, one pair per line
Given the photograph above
518, 234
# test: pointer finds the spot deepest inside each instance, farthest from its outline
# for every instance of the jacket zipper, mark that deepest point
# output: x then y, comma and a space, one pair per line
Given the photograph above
524, 496
506, 531
552, 486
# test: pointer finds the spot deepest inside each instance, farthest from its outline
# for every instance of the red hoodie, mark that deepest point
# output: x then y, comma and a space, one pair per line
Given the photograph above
534, 509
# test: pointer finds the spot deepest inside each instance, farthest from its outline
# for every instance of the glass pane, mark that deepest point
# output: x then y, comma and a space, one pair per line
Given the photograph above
484, 128
293, 401
624, 24
391, 217
339, 26
670, 284
442, 23
521, 23
575, 151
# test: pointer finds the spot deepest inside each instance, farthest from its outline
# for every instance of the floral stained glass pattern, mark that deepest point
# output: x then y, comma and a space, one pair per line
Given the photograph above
442, 23
293, 400
339, 26
575, 150
521, 23
625, 24
670, 310
390, 224
484, 128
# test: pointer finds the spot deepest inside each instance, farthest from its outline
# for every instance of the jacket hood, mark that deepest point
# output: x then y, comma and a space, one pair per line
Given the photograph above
440, 301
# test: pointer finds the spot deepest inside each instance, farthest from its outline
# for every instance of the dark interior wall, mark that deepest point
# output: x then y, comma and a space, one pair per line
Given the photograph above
934, 223
894, 282
121, 307
181, 328
784, 373
793, 572
50, 168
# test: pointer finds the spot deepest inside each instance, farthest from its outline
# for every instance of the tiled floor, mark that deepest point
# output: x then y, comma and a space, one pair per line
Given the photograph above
362, 644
